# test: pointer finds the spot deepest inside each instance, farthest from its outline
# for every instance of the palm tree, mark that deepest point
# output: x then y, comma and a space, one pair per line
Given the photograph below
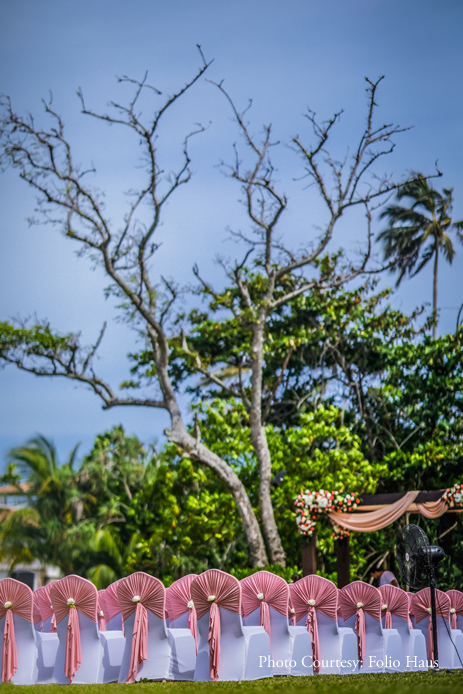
48, 528
426, 221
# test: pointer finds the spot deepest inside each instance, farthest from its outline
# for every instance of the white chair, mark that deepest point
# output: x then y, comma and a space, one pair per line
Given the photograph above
449, 641
18, 655
227, 650
395, 615
180, 607
152, 651
315, 600
85, 655
265, 602
380, 650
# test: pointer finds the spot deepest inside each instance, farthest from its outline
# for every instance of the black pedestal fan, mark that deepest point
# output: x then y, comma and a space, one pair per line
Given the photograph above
417, 560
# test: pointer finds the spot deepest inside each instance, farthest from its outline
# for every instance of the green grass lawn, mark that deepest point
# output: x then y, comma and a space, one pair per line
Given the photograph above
404, 683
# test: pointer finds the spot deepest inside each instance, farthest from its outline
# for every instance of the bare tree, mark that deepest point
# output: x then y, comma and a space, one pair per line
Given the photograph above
45, 162
343, 185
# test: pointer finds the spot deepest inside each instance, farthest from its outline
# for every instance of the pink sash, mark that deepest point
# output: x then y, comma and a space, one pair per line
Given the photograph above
410, 609
395, 601
211, 590
20, 597
291, 611
149, 593
179, 601
360, 598
309, 595
101, 610
84, 596
456, 606
421, 603
273, 591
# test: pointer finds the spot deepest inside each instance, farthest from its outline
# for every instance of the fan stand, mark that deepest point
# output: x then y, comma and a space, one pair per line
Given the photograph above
432, 585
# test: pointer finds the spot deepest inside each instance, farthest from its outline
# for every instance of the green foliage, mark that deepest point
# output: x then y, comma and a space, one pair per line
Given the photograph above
320, 453
185, 521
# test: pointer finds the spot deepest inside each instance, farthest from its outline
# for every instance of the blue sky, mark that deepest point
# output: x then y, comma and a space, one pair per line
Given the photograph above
286, 56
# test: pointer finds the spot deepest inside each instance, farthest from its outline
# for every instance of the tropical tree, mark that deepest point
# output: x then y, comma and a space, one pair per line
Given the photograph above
51, 525
420, 232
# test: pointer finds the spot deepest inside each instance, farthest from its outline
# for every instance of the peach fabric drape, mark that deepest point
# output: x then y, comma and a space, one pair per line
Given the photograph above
360, 598
395, 601
84, 594
178, 598
421, 603
375, 520
274, 591
309, 595
226, 591
432, 509
456, 606
149, 594
20, 597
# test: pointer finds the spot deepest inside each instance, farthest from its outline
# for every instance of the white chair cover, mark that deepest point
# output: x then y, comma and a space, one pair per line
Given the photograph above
382, 648
337, 646
244, 651
289, 645
395, 609
170, 654
100, 652
449, 641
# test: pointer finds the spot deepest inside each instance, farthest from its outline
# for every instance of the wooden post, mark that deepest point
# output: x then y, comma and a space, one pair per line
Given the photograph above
343, 562
309, 555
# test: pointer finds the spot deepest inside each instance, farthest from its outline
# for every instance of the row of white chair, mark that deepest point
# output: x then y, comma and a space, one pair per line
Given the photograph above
213, 626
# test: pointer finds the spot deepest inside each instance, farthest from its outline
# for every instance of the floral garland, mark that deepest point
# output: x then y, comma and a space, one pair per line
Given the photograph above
453, 496
310, 504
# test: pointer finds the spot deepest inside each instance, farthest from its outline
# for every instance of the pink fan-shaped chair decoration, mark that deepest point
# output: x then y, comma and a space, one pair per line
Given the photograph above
15, 598
456, 607
179, 601
101, 610
395, 601
137, 593
261, 590
211, 590
360, 598
43, 600
309, 595
421, 603
70, 594
112, 601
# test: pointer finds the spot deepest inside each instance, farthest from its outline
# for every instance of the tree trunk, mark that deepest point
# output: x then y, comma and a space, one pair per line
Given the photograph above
343, 561
434, 295
197, 451
309, 555
260, 445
